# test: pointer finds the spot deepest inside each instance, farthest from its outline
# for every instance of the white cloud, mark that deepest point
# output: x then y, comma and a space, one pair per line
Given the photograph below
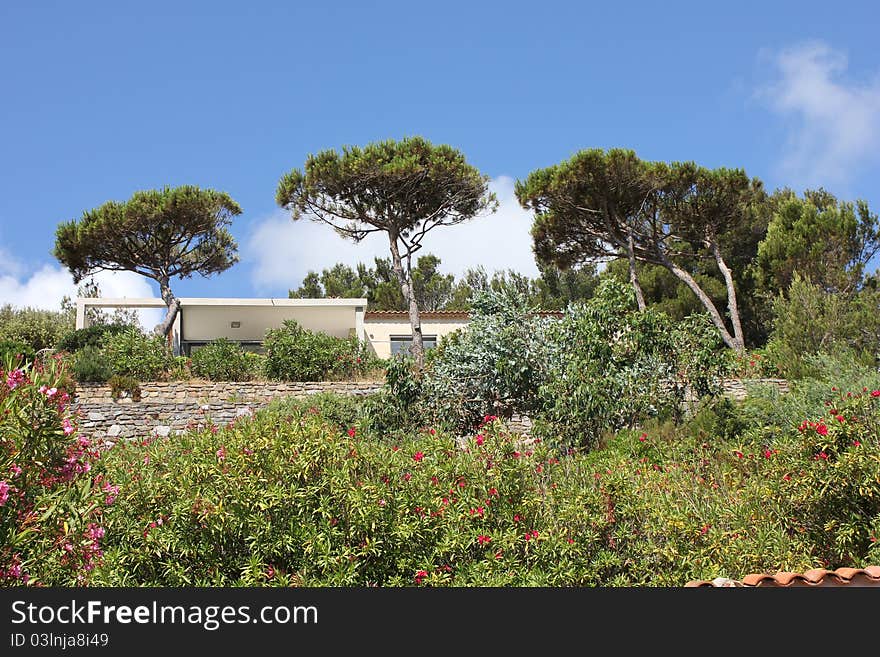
283, 251
45, 287
834, 123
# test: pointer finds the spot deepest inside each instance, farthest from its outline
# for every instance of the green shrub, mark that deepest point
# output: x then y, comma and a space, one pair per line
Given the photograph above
16, 348
810, 320
344, 412
40, 329
90, 336
179, 369
297, 354
91, 365
493, 366
222, 360
132, 353
611, 366
124, 384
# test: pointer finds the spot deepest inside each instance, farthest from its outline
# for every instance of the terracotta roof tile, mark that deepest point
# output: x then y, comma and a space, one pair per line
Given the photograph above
868, 576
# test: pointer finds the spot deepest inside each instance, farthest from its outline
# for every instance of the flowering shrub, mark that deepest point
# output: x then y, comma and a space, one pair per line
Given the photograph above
51, 502
297, 354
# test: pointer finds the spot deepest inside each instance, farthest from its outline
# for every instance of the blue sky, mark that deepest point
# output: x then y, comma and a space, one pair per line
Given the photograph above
100, 99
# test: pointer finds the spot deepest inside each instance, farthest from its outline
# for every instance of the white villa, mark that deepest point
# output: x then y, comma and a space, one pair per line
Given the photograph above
246, 321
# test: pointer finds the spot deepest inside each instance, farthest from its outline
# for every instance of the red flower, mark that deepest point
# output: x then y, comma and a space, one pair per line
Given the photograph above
394, 448
786, 477
767, 453
420, 575
483, 540
875, 393
822, 430
840, 418
493, 491
739, 454
352, 432
517, 517
822, 455
407, 476
570, 541
418, 456
856, 443
643, 437
479, 439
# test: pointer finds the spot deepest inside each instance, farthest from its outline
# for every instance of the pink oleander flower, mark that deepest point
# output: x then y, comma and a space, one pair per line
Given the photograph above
4, 492
15, 378
67, 426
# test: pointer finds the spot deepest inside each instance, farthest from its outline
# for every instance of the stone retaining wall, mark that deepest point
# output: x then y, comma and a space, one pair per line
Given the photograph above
166, 408
171, 407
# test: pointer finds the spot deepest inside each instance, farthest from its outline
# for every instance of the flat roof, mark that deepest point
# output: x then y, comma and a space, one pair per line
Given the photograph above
155, 302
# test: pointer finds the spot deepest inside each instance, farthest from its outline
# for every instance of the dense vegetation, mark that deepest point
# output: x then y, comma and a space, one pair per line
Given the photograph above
787, 482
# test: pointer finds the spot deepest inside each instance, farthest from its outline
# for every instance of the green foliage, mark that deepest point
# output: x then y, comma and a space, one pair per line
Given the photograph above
223, 360
50, 503
152, 225
90, 336
612, 367
124, 384
39, 329
398, 407
493, 366
132, 353
602, 205
300, 495
402, 188
10, 349
809, 320
825, 240
91, 365
297, 354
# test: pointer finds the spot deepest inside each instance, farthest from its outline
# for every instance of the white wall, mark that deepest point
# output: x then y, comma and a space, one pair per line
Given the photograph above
379, 331
211, 322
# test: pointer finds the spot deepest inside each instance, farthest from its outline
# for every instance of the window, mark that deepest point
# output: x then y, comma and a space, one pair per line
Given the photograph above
402, 343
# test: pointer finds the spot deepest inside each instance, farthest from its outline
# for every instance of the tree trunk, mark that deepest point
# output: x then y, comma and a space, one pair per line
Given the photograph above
732, 305
173, 304
633, 276
406, 287
717, 320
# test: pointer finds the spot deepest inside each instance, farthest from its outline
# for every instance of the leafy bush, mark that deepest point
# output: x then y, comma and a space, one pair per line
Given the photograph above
40, 329
132, 353
124, 384
399, 406
51, 504
493, 366
297, 354
90, 364
810, 320
343, 412
611, 367
223, 360
91, 336
15, 348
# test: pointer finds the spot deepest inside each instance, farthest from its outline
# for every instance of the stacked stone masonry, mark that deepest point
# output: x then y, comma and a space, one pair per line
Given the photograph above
170, 408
